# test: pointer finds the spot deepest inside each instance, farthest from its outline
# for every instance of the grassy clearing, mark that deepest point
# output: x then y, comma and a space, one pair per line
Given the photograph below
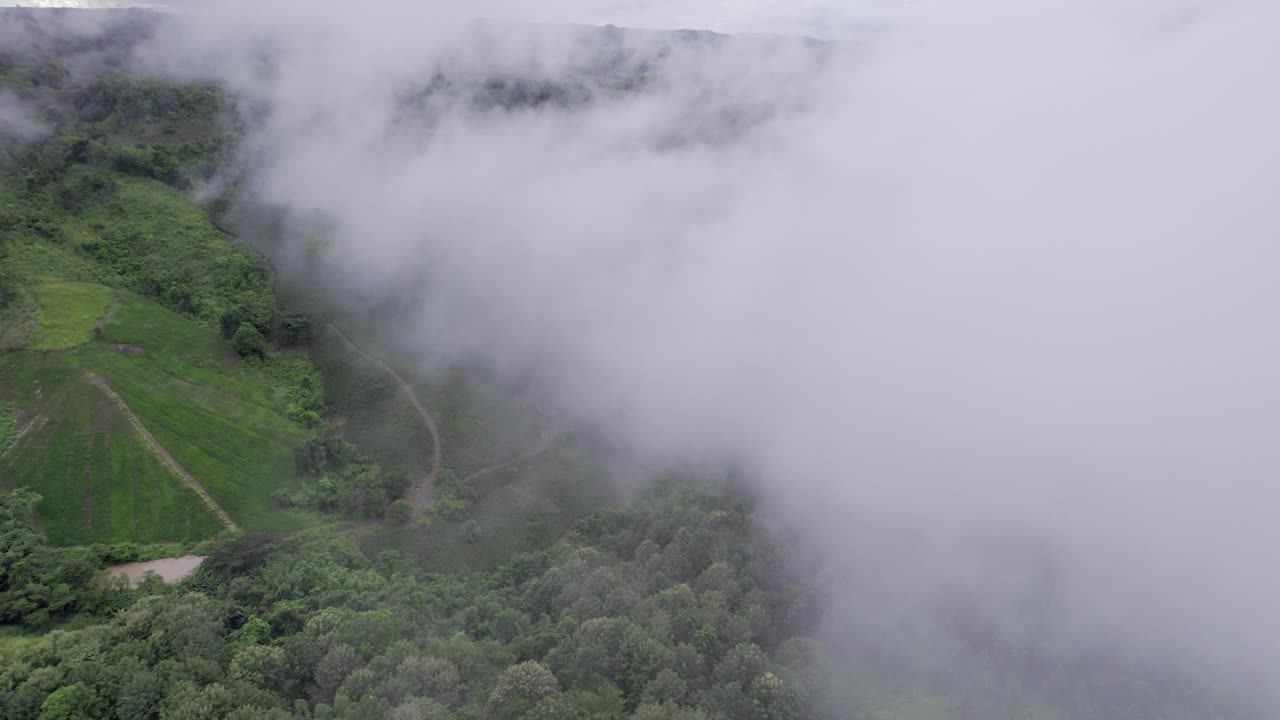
98, 481
220, 419
68, 312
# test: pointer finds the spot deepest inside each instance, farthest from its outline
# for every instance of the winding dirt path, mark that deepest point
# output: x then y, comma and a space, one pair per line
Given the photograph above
420, 494
163, 455
543, 444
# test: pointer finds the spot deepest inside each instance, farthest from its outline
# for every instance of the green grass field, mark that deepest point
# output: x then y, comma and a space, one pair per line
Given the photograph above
73, 253
67, 314
8, 428
99, 483
220, 420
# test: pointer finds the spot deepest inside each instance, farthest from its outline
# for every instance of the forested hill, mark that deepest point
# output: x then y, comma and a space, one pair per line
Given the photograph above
161, 394
673, 607
381, 539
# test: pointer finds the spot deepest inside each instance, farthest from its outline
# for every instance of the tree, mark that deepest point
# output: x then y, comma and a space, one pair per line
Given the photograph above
470, 531
240, 556
667, 712
666, 687
401, 512
231, 320
248, 342
742, 665
18, 539
72, 702
39, 584
519, 688
420, 708
334, 667
296, 328
189, 701
429, 677
396, 482
260, 665
619, 651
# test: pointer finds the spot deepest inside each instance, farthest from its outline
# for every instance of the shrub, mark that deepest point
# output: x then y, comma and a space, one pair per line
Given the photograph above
449, 507
248, 342
470, 531
401, 512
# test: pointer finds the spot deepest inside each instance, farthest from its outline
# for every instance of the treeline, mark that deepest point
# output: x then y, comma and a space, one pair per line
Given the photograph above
126, 103
40, 585
676, 606
176, 164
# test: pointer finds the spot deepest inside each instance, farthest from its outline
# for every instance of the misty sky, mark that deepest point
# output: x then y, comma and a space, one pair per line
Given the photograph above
1006, 268
818, 18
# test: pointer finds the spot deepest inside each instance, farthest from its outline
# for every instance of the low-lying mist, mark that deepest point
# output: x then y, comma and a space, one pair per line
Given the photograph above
997, 274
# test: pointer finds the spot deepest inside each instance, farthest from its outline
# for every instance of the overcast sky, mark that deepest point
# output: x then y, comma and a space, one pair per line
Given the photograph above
818, 18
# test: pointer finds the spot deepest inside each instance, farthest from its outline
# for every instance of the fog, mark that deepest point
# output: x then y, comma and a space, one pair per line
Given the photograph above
974, 272
18, 119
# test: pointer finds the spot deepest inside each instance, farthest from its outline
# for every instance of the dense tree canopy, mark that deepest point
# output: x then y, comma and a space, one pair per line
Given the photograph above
668, 608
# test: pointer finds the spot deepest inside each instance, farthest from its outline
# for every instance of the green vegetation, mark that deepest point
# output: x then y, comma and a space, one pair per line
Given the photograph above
248, 342
529, 505
227, 423
8, 426
40, 585
109, 269
523, 591
658, 610
98, 481
68, 313
340, 479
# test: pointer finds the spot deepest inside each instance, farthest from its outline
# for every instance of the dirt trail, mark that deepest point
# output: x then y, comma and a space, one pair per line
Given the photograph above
541, 447
163, 455
170, 570
35, 424
420, 494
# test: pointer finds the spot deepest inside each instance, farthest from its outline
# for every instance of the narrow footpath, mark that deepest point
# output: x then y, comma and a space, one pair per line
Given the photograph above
163, 455
420, 494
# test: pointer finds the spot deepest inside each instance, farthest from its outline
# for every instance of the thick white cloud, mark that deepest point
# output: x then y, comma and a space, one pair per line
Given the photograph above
19, 119
1008, 267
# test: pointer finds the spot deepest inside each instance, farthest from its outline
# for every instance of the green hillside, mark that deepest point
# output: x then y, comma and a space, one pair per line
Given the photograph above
222, 419
110, 274
373, 533
99, 483
67, 313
